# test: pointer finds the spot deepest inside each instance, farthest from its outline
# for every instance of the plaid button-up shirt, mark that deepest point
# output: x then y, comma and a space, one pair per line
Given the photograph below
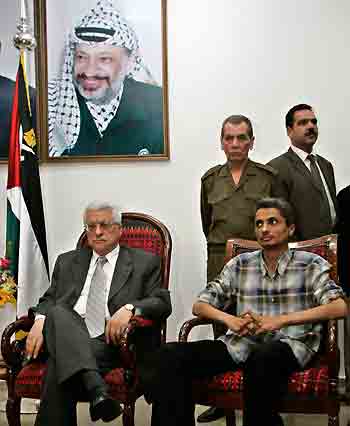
301, 281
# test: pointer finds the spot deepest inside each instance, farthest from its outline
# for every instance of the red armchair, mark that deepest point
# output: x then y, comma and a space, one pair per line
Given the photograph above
313, 390
139, 231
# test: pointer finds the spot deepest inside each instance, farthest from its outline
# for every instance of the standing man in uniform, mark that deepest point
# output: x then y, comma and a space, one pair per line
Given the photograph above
307, 179
228, 200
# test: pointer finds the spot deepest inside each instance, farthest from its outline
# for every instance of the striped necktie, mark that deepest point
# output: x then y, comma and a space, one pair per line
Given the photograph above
96, 301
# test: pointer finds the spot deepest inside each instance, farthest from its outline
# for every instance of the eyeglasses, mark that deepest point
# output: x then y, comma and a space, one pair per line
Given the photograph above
105, 226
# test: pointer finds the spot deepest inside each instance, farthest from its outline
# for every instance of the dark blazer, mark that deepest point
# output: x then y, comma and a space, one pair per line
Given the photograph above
343, 230
136, 280
7, 87
136, 128
304, 195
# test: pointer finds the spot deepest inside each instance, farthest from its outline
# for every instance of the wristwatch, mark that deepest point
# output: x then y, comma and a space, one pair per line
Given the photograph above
130, 307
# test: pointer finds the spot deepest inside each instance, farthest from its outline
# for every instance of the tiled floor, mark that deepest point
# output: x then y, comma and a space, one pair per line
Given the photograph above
143, 412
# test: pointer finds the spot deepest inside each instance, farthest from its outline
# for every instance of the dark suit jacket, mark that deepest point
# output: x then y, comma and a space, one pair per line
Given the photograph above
136, 280
343, 229
136, 127
304, 195
7, 87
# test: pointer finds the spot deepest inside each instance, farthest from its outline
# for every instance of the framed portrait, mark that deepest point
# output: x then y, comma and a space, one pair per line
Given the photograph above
9, 60
103, 80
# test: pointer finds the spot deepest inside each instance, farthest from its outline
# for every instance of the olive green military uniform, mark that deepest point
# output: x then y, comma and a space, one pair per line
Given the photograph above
228, 210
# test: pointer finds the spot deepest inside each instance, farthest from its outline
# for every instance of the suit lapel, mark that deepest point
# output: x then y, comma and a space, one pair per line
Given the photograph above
328, 179
325, 174
301, 168
80, 267
122, 270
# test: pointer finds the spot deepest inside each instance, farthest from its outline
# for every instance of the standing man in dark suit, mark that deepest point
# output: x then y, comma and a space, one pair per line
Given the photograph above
94, 293
307, 179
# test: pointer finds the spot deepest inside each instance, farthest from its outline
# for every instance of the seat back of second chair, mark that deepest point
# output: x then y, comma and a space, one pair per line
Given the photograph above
147, 233
325, 247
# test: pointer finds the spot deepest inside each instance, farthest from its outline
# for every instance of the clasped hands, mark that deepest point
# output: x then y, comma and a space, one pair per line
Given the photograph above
252, 324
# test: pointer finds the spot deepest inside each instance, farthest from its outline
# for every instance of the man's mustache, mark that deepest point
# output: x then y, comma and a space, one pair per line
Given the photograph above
310, 132
83, 76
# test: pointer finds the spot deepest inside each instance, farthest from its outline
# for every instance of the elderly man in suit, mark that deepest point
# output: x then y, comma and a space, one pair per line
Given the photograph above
79, 320
307, 178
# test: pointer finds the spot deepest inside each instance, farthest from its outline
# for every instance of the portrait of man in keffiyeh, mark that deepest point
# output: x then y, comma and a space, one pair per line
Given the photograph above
97, 106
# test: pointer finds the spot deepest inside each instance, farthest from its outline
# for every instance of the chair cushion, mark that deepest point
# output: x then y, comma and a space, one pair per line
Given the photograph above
313, 381
30, 379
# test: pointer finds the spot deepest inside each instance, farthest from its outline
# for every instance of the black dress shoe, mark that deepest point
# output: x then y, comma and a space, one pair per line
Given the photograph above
105, 408
210, 415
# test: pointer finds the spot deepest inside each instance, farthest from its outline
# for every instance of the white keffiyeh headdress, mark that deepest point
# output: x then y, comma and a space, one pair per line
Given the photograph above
102, 24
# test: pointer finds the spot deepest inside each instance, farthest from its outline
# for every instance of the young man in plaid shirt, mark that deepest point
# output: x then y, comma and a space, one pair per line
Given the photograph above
282, 297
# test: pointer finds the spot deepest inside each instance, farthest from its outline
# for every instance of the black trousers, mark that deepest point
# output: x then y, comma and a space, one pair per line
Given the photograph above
71, 352
170, 370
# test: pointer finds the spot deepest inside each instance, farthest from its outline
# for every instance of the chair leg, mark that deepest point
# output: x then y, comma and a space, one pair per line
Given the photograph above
231, 419
13, 411
129, 414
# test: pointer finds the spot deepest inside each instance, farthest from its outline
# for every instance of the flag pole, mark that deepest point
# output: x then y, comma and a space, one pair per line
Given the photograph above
24, 41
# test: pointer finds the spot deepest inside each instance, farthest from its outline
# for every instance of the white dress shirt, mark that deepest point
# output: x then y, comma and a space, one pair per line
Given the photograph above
303, 156
108, 269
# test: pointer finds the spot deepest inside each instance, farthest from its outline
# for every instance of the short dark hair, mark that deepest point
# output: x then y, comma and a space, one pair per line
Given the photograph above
280, 204
290, 113
235, 120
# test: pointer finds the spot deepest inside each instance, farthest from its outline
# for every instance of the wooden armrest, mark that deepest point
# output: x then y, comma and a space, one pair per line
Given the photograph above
11, 348
188, 325
332, 354
127, 342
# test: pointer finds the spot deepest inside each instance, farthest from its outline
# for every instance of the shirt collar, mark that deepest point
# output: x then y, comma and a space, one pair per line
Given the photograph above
302, 154
282, 262
226, 171
109, 256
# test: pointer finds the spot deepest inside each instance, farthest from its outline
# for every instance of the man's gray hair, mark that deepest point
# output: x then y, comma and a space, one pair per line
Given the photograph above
104, 205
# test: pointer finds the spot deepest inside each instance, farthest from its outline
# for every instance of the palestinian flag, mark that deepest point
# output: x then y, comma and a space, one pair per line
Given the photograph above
25, 229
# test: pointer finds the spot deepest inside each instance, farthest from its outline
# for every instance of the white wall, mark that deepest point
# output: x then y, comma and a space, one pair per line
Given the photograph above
10, 11
254, 57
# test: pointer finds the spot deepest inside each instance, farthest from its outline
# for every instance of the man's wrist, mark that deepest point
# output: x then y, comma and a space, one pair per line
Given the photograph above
284, 319
130, 307
224, 317
39, 316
